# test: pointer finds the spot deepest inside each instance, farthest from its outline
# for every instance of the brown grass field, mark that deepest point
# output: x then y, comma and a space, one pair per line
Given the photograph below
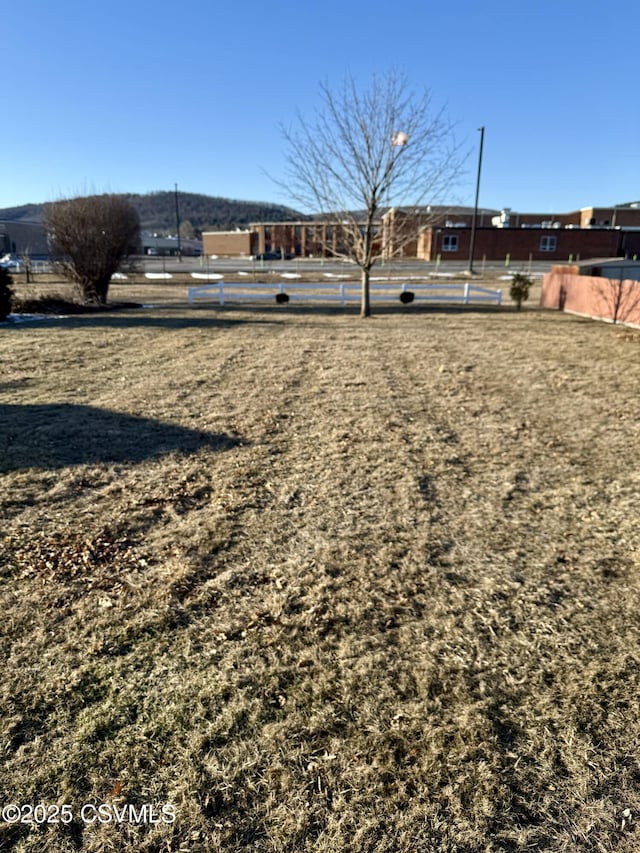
318, 583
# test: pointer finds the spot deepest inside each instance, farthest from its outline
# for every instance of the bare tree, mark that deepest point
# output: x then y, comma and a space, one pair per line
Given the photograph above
25, 257
363, 151
90, 236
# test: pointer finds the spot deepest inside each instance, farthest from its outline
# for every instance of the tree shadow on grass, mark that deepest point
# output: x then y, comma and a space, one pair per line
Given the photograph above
175, 317
60, 434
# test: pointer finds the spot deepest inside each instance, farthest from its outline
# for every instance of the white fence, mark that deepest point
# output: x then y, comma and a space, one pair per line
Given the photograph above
35, 267
344, 292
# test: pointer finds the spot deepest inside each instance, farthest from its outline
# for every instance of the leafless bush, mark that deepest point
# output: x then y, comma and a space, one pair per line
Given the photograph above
90, 237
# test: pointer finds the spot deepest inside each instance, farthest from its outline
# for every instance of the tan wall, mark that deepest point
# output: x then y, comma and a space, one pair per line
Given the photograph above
624, 217
604, 298
227, 243
517, 220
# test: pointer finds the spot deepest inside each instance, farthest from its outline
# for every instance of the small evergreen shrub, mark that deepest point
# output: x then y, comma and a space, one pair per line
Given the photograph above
520, 284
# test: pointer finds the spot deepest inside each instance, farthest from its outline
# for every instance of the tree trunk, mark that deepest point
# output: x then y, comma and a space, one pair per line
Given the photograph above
94, 292
101, 289
365, 302
617, 300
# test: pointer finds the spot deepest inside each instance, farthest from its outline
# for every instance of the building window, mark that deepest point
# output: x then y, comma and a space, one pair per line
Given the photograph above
548, 243
449, 242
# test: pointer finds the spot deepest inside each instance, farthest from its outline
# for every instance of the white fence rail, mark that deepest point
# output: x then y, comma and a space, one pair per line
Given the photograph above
343, 292
34, 266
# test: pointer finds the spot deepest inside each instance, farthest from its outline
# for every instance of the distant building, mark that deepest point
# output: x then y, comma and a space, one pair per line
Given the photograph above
618, 268
518, 244
589, 232
444, 233
229, 244
150, 244
315, 239
20, 238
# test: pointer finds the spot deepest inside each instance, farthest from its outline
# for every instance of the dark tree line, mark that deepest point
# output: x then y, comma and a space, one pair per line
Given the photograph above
157, 212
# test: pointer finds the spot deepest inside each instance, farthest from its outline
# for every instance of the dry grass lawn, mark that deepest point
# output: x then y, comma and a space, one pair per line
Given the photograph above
321, 584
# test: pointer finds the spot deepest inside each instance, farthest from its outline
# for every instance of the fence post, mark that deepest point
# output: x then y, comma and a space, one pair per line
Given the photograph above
221, 292
466, 293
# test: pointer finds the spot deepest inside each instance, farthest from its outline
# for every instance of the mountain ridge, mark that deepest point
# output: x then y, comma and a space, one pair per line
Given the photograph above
198, 212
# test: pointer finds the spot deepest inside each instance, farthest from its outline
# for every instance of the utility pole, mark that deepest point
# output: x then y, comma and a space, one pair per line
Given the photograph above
475, 209
178, 226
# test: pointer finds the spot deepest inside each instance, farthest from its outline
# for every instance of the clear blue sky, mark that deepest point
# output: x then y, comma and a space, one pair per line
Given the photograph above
137, 96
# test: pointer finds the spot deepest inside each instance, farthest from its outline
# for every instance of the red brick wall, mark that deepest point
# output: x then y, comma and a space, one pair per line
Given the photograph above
591, 296
522, 243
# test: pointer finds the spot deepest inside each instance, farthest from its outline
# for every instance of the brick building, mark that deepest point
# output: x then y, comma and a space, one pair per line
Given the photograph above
589, 232
444, 233
310, 239
518, 244
227, 244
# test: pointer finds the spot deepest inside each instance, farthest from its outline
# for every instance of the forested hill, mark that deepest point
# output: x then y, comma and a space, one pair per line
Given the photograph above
25, 213
202, 212
158, 211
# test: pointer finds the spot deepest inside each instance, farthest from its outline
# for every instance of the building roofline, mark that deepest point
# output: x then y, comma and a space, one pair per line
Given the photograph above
233, 231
